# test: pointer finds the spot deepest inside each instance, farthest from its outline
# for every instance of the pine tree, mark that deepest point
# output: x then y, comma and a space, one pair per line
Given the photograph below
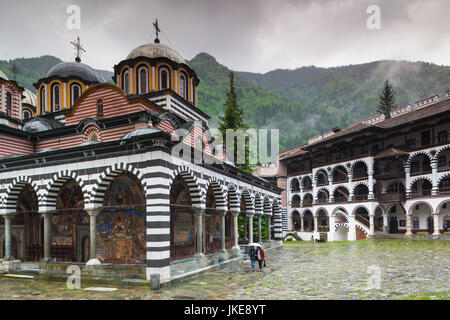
386, 100
233, 119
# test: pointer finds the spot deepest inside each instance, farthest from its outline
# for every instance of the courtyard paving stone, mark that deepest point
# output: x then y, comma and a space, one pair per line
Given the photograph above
410, 269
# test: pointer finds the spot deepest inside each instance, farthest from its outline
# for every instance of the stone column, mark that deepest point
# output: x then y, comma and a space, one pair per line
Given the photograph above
199, 231
434, 170
250, 228
350, 186
259, 229
331, 228
93, 237
408, 181
385, 223
47, 236
372, 224
235, 230
371, 195
8, 237
409, 224
436, 224
330, 180
351, 227
269, 229
316, 224
222, 230
302, 223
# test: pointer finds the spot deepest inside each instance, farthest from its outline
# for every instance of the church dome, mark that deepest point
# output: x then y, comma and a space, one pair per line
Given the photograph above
139, 132
156, 50
75, 69
30, 98
2, 75
37, 125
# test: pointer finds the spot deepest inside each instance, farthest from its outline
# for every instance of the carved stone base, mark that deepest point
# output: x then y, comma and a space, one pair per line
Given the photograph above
8, 264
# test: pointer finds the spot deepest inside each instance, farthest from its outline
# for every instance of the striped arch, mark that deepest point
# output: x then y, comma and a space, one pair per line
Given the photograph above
358, 184
323, 171
248, 201
362, 229
48, 199
233, 198
13, 191
105, 178
383, 210
338, 166
258, 204
302, 180
198, 198
324, 189
419, 178
442, 177
440, 150
267, 206
316, 213
338, 210
340, 186
415, 154
337, 225
439, 207
277, 221
360, 206
353, 164
219, 194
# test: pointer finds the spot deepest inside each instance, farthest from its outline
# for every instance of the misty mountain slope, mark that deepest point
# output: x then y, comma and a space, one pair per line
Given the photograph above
300, 103
33, 69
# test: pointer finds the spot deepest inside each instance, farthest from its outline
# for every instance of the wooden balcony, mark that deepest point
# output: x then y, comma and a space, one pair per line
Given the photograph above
391, 197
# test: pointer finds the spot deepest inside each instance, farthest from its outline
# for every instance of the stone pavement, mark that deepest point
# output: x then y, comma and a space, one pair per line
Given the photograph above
409, 269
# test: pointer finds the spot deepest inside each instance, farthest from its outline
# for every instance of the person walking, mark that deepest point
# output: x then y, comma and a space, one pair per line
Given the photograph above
253, 256
260, 256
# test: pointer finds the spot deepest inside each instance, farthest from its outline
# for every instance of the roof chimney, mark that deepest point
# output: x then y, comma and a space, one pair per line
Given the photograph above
427, 101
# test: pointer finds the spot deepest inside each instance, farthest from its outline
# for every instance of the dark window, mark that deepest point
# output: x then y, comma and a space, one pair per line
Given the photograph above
442, 161
416, 223
42, 102
394, 209
415, 166
126, 82
425, 138
8, 104
99, 107
183, 91
411, 143
442, 136
164, 79
75, 93
143, 76
55, 97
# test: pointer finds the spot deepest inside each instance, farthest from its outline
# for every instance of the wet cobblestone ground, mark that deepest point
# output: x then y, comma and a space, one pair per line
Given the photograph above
410, 269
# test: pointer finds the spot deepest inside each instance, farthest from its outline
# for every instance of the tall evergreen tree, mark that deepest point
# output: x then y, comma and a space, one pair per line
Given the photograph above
386, 100
233, 119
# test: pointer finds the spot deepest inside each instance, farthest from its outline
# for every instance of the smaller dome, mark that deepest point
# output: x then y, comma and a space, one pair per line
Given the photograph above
156, 50
2, 75
37, 124
75, 69
139, 132
30, 98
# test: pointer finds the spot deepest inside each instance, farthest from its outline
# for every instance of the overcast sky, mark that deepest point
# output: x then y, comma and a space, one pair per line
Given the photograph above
245, 35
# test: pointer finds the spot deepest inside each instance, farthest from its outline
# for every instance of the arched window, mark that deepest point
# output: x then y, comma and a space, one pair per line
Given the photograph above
143, 80
99, 107
42, 102
164, 78
126, 82
26, 114
75, 93
8, 104
183, 86
55, 97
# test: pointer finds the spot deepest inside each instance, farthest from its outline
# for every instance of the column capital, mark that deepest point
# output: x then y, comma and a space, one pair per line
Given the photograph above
93, 212
8, 215
46, 214
199, 211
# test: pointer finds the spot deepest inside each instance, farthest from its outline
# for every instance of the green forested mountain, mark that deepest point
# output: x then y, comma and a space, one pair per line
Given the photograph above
308, 101
301, 103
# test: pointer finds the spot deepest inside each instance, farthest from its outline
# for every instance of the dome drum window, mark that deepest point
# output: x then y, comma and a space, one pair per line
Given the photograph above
26, 114
9, 104
99, 107
142, 75
126, 82
42, 101
183, 86
75, 93
164, 78
55, 97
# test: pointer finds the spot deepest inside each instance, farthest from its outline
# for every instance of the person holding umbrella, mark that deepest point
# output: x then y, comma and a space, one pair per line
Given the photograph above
260, 256
252, 255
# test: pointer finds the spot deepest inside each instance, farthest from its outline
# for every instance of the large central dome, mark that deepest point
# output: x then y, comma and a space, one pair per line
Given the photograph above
156, 50
75, 69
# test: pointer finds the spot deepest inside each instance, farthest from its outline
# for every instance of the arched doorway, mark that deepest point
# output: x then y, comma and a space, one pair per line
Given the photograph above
182, 220
422, 218
341, 227
308, 221
213, 236
296, 221
70, 223
322, 221
121, 233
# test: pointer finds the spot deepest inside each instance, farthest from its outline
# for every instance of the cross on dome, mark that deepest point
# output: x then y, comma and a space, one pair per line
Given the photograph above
79, 48
157, 29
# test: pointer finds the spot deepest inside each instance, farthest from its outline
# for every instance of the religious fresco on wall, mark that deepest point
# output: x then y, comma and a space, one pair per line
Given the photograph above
69, 205
121, 231
182, 220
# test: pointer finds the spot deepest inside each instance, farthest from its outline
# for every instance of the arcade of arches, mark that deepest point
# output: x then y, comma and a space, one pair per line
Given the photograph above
116, 231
